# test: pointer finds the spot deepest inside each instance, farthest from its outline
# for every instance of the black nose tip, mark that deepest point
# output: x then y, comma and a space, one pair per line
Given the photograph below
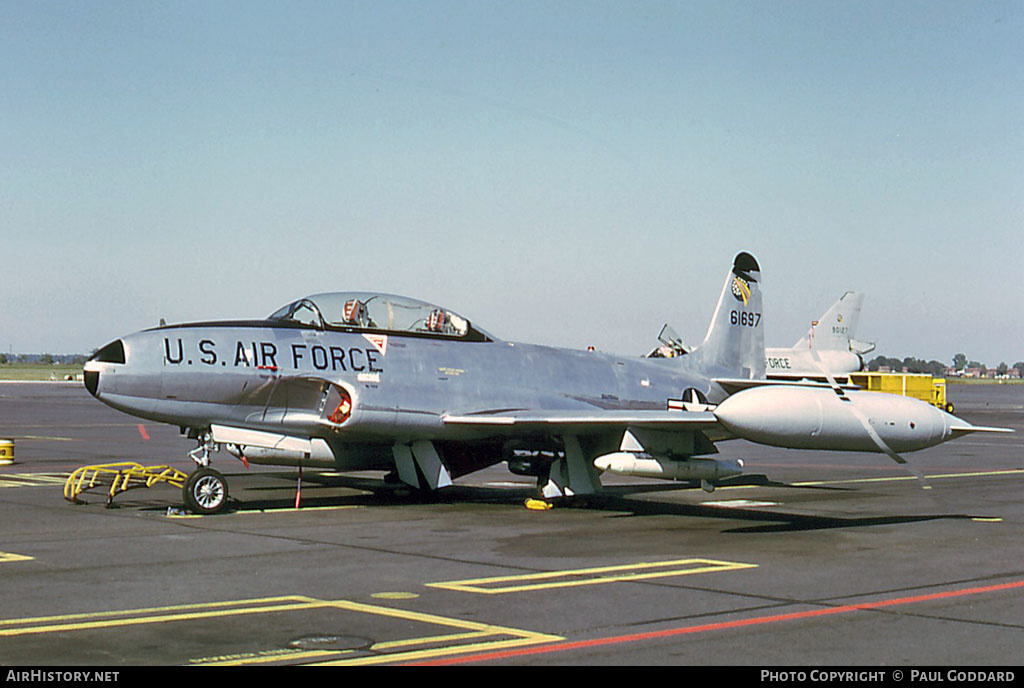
92, 381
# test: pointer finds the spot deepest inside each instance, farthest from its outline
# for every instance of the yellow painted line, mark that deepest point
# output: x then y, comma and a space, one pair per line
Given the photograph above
262, 658
893, 478
159, 618
148, 610
424, 617
408, 649
46, 478
293, 510
403, 657
32, 479
286, 510
45, 438
267, 657
17, 483
394, 595
519, 638
591, 576
432, 639
8, 556
939, 476
739, 504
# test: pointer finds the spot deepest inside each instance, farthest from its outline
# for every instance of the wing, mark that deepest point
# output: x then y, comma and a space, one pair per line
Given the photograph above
620, 436
578, 422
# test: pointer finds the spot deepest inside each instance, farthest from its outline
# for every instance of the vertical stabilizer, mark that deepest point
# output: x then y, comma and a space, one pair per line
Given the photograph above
734, 344
837, 326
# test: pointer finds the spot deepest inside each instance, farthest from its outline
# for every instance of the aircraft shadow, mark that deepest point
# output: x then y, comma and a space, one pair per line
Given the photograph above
619, 499
773, 521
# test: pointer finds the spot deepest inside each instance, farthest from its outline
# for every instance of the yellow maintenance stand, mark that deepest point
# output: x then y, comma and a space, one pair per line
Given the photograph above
918, 385
120, 477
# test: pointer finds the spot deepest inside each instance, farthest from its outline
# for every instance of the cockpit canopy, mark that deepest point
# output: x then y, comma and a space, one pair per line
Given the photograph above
372, 312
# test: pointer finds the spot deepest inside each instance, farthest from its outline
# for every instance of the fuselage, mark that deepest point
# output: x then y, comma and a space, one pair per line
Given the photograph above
246, 373
797, 363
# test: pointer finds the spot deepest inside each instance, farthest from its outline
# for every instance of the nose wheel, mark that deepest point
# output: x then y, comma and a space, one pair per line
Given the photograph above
205, 491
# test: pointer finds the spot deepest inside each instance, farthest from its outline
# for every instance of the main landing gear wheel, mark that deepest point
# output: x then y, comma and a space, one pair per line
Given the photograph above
205, 491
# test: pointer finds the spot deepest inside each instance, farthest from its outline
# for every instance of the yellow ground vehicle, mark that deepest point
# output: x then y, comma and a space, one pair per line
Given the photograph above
920, 386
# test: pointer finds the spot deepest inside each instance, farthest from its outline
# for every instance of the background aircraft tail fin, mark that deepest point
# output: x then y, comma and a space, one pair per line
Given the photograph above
734, 344
835, 329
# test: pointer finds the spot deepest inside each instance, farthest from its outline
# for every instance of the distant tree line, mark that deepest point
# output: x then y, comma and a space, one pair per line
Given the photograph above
43, 359
961, 362
913, 365
938, 368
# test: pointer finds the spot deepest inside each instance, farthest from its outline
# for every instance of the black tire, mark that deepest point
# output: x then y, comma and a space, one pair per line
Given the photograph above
205, 491
949, 407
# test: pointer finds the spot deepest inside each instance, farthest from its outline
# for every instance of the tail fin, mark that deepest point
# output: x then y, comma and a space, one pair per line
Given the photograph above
734, 344
836, 328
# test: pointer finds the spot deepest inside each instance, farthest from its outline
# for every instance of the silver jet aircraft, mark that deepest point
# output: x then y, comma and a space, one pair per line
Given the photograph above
366, 381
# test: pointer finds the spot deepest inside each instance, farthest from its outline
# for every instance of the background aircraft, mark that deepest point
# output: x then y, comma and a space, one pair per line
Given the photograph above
832, 338
366, 381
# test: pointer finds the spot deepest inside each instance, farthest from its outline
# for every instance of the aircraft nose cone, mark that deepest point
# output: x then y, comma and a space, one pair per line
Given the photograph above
111, 353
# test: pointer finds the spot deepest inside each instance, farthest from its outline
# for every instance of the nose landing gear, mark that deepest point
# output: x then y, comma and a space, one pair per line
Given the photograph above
205, 491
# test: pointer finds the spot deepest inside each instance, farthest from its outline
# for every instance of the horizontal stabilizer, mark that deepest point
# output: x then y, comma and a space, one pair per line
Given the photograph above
862, 348
733, 385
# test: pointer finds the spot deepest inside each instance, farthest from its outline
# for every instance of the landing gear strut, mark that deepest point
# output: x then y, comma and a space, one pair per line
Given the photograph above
201, 454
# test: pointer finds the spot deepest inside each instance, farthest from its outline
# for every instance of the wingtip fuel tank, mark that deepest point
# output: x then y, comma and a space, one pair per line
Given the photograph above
822, 418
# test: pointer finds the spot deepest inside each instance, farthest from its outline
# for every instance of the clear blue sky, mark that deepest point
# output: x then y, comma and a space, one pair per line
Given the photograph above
559, 172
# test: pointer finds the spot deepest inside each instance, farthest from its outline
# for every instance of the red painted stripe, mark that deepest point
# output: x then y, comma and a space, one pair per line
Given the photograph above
142, 431
686, 630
